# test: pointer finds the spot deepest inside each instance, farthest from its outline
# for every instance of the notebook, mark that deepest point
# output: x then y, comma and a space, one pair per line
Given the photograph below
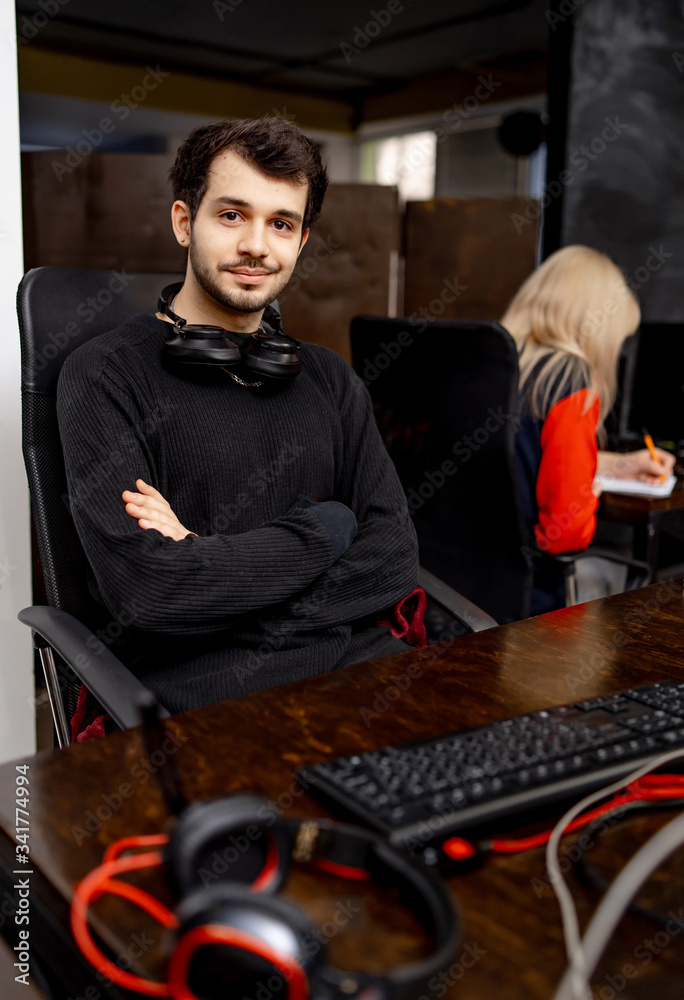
610, 484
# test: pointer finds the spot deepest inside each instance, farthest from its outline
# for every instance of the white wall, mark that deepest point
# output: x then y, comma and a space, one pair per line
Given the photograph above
17, 715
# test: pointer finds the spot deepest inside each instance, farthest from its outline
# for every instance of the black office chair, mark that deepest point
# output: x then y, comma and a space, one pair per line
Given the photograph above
619, 432
445, 395
446, 402
59, 309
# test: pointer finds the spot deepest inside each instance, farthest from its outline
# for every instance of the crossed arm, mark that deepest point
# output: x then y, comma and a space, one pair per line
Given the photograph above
151, 510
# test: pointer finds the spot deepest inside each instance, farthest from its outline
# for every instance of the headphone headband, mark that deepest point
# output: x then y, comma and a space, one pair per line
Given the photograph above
353, 852
268, 353
166, 297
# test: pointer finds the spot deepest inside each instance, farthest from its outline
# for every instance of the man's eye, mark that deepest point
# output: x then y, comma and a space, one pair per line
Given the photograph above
230, 216
281, 225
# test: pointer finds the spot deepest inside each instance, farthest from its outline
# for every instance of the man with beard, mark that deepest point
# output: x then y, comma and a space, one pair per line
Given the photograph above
254, 531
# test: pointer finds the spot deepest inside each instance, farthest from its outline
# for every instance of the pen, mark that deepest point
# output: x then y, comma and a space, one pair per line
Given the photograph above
648, 441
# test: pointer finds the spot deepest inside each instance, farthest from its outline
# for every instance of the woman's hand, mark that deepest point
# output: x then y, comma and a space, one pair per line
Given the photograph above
636, 465
151, 510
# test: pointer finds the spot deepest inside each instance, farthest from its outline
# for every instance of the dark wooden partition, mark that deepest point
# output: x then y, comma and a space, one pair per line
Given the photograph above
112, 210
466, 257
344, 269
106, 210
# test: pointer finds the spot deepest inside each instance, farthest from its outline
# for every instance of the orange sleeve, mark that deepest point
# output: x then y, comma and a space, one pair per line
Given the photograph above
566, 504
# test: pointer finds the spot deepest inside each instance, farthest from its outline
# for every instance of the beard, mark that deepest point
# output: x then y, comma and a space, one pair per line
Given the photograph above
252, 299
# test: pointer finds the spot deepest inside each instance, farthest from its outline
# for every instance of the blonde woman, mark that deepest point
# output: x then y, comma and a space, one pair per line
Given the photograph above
569, 320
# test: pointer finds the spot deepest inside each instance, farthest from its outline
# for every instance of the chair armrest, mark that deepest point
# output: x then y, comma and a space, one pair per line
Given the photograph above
568, 558
450, 600
114, 686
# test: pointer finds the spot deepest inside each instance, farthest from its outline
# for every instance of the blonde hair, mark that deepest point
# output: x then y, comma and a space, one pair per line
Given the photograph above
571, 318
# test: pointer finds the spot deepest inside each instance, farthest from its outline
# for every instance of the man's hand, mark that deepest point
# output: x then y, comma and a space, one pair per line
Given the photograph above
636, 465
152, 511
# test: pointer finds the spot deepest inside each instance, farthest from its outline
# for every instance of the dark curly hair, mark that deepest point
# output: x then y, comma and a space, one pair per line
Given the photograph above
273, 145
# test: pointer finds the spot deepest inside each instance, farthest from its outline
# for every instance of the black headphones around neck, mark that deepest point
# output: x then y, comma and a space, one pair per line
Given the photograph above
235, 937
268, 354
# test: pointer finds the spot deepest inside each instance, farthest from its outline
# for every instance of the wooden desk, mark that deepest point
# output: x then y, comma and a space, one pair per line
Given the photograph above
510, 920
647, 515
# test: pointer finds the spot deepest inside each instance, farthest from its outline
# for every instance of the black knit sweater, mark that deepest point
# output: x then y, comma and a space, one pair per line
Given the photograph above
259, 598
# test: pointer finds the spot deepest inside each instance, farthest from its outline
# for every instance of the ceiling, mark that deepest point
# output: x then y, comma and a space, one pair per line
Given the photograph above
349, 49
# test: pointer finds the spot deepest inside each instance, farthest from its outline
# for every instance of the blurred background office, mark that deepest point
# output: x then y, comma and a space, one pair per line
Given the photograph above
465, 141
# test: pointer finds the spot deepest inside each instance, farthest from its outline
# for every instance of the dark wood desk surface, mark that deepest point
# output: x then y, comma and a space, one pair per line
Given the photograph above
257, 742
630, 509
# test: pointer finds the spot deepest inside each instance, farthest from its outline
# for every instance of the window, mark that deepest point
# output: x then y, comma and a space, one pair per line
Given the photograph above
407, 161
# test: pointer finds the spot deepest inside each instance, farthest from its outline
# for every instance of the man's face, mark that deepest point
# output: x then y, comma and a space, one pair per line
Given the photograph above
247, 235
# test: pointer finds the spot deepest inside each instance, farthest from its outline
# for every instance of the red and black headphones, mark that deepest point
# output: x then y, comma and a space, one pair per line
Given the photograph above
226, 860
266, 355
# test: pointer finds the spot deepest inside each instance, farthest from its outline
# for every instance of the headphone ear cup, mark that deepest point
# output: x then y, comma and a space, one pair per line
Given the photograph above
273, 355
198, 345
248, 943
227, 840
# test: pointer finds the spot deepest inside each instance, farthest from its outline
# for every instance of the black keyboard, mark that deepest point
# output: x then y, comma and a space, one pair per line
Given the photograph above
431, 789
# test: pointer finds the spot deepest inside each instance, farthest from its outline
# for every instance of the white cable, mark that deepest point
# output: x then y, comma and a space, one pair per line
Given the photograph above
618, 898
573, 943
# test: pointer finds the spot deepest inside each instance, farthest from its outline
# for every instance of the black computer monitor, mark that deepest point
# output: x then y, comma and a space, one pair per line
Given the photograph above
652, 383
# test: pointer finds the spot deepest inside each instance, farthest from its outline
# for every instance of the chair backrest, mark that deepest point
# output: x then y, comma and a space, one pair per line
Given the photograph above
59, 309
618, 422
445, 395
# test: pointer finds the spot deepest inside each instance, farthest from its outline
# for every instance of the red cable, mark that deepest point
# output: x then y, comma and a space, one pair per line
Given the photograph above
99, 881
126, 843
344, 871
648, 788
